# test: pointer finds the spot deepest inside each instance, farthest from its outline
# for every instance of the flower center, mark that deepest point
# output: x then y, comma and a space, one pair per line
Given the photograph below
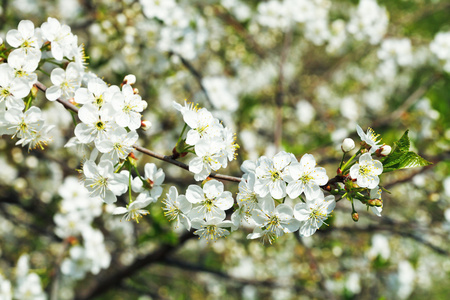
5, 93
99, 101
275, 175
100, 126
209, 204
273, 223
306, 178
365, 170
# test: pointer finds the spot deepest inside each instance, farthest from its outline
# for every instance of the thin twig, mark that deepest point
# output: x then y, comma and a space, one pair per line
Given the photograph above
196, 74
227, 18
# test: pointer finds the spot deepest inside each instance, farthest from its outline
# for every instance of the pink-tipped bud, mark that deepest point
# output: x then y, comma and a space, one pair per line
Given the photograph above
348, 145
146, 124
129, 79
355, 216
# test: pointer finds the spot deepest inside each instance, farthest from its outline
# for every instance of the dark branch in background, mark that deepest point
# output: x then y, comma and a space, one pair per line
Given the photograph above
410, 101
146, 151
195, 73
279, 94
227, 18
229, 279
115, 279
314, 266
390, 229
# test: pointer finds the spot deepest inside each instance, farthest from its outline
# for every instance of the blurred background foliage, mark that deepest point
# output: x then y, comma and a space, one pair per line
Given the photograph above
278, 89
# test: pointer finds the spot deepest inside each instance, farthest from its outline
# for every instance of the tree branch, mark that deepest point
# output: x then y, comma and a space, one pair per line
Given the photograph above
143, 150
116, 278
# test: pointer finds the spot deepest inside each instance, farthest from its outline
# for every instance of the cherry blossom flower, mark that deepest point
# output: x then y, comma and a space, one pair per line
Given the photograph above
60, 37
209, 157
149, 187
26, 38
209, 202
128, 108
96, 125
313, 213
66, 82
370, 138
118, 144
271, 174
176, 208
366, 171
23, 124
276, 220
212, 228
202, 124
133, 210
12, 89
97, 93
306, 178
102, 182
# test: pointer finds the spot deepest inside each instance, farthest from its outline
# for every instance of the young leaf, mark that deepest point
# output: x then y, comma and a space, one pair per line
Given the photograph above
412, 160
403, 143
402, 158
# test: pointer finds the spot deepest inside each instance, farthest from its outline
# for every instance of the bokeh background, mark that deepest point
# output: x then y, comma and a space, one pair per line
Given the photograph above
293, 75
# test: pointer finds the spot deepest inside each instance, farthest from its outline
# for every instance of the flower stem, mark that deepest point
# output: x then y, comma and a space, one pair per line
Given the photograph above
342, 160
129, 185
344, 167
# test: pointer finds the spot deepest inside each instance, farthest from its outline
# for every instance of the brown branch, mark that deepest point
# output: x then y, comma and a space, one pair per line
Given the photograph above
115, 279
242, 281
143, 150
390, 229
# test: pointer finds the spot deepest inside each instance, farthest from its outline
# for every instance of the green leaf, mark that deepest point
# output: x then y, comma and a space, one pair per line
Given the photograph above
402, 158
403, 143
412, 160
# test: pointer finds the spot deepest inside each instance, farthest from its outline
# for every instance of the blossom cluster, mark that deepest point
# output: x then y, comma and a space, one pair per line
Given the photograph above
109, 114
202, 208
213, 143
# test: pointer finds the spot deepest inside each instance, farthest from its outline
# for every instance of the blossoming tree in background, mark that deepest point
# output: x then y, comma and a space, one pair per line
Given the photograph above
76, 173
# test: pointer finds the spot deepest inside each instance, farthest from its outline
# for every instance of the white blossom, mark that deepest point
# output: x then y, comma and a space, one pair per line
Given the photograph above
313, 213
366, 171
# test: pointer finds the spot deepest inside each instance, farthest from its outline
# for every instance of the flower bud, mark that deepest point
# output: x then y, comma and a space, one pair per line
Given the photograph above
129, 79
375, 202
34, 91
355, 216
146, 124
347, 145
385, 150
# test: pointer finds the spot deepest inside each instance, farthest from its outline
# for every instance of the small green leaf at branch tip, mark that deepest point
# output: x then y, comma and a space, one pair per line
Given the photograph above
402, 158
403, 143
